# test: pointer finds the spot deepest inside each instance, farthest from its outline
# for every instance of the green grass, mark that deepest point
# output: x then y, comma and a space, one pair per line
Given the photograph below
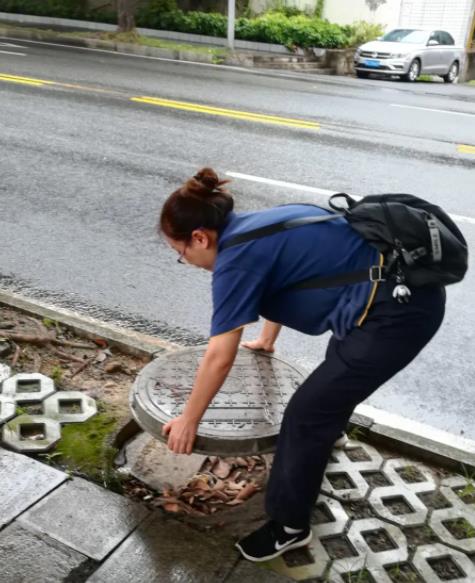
218, 53
472, 82
84, 448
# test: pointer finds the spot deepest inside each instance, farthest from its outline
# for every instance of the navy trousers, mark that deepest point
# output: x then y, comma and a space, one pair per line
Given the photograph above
354, 367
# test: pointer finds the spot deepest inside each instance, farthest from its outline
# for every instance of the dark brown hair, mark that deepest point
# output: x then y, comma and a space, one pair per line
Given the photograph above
201, 202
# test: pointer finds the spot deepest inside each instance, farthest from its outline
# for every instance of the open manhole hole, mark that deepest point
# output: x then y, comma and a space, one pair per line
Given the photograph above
245, 415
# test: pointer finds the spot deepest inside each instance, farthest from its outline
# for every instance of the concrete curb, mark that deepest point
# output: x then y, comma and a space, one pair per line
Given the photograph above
127, 48
128, 341
374, 425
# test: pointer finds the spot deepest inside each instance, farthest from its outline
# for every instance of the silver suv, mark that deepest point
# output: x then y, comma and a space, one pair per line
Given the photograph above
410, 52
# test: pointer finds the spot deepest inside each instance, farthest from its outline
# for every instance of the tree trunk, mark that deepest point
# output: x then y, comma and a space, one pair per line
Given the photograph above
125, 15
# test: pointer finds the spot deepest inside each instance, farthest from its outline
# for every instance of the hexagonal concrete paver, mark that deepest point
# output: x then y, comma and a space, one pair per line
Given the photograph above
31, 433
28, 387
5, 372
426, 554
7, 408
69, 407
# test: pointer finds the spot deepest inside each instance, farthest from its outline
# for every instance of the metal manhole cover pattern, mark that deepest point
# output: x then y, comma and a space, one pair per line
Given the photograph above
244, 416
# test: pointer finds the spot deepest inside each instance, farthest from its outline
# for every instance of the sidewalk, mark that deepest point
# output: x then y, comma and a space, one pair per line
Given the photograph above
381, 517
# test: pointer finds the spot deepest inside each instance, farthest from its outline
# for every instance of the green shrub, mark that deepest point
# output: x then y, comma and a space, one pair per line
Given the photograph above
75, 9
362, 32
280, 26
301, 31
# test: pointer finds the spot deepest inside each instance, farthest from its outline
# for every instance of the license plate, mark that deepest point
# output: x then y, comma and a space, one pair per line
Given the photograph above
372, 63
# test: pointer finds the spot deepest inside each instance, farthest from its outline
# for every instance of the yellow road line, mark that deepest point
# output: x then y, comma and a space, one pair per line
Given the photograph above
466, 149
24, 80
182, 105
232, 113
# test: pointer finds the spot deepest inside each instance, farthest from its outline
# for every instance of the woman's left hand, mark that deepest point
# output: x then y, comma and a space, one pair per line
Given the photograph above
181, 433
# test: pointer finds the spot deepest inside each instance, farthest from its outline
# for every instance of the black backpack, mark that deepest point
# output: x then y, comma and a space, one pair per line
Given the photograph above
420, 242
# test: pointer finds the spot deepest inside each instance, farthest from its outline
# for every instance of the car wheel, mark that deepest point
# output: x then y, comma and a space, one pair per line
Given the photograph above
414, 71
453, 74
362, 74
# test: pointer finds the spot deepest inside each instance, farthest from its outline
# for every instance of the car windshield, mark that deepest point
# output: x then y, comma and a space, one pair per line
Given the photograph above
406, 35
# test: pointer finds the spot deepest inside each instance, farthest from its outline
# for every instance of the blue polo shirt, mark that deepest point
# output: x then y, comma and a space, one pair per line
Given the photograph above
250, 279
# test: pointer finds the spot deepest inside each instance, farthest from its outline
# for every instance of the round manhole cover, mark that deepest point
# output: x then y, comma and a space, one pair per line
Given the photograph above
243, 418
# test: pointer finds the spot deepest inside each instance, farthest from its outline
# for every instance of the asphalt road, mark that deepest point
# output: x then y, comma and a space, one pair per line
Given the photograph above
85, 169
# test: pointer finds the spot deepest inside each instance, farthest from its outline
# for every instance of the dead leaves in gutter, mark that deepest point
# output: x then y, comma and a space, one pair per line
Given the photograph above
221, 482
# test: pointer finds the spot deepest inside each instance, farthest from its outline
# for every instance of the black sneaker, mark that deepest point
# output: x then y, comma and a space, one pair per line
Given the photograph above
271, 541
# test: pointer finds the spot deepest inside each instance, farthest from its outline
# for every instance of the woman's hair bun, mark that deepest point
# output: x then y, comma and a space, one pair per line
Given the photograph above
201, 202
208, 178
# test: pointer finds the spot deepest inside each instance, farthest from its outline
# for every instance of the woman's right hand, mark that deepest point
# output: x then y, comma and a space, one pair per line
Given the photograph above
259, 344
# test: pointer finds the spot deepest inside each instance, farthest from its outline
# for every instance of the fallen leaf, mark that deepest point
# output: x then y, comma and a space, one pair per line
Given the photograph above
248, 490
172, 507
113, 366
242, 462
198, 484
222, 469
234, 502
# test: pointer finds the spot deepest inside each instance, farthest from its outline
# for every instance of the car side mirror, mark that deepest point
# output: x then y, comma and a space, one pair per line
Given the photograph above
432, 42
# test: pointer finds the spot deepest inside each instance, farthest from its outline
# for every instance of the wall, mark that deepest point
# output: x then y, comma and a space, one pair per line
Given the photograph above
348, 11
451, 15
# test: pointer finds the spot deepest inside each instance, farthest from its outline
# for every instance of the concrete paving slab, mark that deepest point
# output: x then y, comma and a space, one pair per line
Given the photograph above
26, 555
152, 462
85, 517
24, 482
247, 572
163, 549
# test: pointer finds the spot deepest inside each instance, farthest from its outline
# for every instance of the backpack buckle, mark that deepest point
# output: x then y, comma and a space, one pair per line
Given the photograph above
376, 273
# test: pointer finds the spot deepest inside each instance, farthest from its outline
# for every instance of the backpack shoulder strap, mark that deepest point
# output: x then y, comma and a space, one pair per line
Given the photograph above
277, 228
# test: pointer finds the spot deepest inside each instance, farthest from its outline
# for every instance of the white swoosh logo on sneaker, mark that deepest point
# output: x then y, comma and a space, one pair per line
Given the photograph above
279, 546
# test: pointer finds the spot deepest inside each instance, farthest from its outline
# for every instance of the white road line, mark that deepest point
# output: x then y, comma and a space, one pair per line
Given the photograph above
12, 53
2, 44
431, 109
320, 191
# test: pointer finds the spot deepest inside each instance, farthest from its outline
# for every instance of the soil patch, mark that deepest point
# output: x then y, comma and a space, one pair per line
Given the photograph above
340, 481
403, 573
419, 535
446, 568
376, 479
357, 509
460, 528
397, 505
434, 500
32, 344
338, 547
357, 454
411, 474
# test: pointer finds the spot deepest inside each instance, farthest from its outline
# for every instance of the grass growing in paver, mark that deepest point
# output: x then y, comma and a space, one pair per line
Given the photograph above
419, 535
410, 474
460, 528
83, 449
362, 576
403, 573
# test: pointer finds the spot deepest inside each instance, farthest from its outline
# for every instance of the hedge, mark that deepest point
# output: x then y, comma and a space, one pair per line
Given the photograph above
276, 27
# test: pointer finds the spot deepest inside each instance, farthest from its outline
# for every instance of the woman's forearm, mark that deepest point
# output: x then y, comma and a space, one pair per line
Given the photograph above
210, 377
212, 372
270, 332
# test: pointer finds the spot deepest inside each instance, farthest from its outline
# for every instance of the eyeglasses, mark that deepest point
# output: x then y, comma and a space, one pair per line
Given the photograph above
181, 259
